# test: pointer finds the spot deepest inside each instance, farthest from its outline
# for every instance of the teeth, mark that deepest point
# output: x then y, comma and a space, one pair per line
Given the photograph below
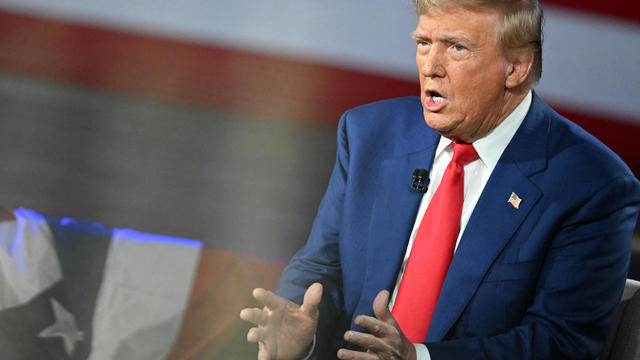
437, 99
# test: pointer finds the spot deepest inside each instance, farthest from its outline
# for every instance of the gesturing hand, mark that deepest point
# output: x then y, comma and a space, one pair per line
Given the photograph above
385, 341
285, 329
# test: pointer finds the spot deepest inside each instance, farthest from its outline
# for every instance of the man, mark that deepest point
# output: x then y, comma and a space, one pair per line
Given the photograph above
518, 249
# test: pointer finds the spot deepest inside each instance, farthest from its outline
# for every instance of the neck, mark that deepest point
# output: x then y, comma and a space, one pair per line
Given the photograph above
511, 99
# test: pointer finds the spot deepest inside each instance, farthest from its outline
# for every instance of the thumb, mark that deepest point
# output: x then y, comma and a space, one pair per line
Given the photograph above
381, 307
312, 297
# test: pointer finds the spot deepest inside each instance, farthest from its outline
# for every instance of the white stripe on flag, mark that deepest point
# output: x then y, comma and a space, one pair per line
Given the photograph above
144, 293
28, 260
590, 63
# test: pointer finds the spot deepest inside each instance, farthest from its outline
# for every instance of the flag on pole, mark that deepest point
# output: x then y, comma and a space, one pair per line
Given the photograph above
76, 290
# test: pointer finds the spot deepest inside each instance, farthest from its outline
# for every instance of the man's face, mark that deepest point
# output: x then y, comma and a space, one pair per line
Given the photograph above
462, 72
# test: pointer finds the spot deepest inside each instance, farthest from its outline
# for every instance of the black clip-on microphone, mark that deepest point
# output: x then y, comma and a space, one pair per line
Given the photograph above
420, 181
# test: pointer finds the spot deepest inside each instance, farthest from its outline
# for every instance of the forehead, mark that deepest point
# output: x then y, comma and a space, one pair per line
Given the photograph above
458, 22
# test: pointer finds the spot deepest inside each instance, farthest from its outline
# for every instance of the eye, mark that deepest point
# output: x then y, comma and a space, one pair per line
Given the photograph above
422, 43
459, 48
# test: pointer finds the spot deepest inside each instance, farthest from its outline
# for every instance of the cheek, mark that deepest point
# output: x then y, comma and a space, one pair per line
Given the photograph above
474, 88
492, 80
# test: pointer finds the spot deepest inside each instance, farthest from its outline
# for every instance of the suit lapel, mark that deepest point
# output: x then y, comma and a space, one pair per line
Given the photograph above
394, 212
493, 221
481, 243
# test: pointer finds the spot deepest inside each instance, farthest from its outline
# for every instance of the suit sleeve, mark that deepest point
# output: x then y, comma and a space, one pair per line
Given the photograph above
579, 286
319, 259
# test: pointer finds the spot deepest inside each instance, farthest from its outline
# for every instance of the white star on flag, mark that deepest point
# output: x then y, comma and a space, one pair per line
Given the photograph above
65, 327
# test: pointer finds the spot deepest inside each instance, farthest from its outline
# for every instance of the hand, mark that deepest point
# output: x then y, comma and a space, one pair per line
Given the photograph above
385, 341
285, 329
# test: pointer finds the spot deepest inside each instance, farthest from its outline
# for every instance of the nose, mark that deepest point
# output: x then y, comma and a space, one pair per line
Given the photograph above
431, 64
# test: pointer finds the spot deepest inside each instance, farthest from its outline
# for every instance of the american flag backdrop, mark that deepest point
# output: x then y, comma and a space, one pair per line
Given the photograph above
213, 123
310, 60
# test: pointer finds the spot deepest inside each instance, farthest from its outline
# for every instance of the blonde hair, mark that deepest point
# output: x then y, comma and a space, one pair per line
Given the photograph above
521, 25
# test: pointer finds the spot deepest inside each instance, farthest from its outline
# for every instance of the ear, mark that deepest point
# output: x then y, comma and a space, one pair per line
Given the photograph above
518, 68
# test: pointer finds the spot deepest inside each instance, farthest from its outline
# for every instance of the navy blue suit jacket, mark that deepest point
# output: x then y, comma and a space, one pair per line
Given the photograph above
538, 282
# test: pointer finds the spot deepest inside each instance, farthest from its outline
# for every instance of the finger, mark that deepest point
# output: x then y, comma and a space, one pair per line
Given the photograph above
366, 341
254, 315
312, 297
358, 355
381, 307
374, 326
263, 352
268, 298
256, 334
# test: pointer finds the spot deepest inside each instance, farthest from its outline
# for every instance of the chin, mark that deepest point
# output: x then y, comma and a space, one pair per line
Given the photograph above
443, 125
437, 121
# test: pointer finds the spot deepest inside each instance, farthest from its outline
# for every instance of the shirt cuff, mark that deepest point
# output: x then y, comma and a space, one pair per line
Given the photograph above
313, 346
422, 353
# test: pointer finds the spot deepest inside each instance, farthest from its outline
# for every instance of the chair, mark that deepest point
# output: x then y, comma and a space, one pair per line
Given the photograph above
623, 341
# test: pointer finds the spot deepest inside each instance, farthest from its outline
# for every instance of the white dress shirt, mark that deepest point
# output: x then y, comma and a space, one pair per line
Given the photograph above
489, 148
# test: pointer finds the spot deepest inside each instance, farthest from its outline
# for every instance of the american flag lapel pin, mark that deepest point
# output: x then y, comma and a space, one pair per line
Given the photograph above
514, 200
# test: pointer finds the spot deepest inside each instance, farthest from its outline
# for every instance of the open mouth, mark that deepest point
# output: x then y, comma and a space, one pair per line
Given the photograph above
434, 101
436, 97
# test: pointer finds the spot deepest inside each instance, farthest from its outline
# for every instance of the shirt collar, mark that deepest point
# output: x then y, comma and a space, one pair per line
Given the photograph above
491, 146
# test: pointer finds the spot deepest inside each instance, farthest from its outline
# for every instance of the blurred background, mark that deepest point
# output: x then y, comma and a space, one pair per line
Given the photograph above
215, 120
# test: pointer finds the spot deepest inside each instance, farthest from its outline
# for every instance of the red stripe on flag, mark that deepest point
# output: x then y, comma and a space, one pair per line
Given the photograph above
621, 137
220, 78
186, 72
625, 9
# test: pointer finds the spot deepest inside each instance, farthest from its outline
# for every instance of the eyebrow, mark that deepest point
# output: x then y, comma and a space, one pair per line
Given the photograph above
448, 38
417, 35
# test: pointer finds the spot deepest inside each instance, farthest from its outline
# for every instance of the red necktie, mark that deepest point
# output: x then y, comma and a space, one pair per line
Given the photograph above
432, 249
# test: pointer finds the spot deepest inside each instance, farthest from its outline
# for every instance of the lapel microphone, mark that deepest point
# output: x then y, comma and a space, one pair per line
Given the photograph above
420, 181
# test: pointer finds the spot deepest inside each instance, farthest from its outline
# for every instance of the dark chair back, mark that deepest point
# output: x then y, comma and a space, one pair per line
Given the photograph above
623, 342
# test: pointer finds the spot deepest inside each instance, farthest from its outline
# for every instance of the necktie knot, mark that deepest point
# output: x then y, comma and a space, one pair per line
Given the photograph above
463, 153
